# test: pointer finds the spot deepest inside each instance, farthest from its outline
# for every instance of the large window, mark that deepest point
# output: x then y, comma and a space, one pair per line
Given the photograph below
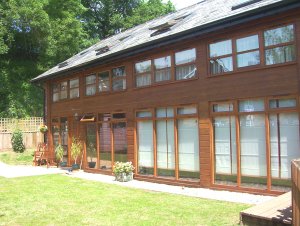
106, 81
106, 141
279, 45
66, 89
59, 129
162, 69
238, 53
244, 145
157, 146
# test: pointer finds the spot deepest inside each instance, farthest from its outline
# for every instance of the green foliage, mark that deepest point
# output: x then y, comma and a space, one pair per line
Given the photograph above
59, 152
35, 35
76, 148
17, 141
123, 167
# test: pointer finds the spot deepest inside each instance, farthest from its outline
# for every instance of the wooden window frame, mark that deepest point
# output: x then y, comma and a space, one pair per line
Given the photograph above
68, 89
154, 119
112, 79
98, 82
185, 64
267, 112
90, 85
74, 88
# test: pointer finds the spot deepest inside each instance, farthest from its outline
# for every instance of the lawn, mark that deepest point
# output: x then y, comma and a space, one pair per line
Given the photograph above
13, 158
61, 200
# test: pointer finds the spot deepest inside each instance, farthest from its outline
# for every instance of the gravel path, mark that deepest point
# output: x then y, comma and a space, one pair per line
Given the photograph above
9, 171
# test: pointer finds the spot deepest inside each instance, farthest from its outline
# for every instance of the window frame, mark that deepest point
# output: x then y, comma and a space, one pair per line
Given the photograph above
68, 89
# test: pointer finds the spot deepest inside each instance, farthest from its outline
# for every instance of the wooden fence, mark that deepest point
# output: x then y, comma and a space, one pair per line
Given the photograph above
29, 128
296, 192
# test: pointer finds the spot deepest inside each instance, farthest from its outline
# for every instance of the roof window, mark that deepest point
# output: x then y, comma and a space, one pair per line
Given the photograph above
102, 50
63, 64
162, 28
243, 3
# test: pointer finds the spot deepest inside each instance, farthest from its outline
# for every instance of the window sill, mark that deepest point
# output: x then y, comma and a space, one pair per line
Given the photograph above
65, 100
106, 93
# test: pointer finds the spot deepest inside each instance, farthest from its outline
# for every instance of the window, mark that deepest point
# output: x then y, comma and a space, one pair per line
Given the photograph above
74, 88
162, 69
221, 57
118, 78
104, 83
279, 45
66, 89
248, 51
143, 73
90, 85
223, 107
282, 103
185, 67
161, 129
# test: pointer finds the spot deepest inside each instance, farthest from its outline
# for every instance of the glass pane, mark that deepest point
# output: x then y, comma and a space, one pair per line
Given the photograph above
55, 97
284, 143
90, 90
143, 80
104, 81
119, 116
64, 137
185, 56
163, 75
165, 148
280, 55
163, 62
251, 105
279, 35
188, 149
164, 112
253, 151
105, 117
120, 142
248, 59
105, 146
91, 146
144, 114
226, 107
74, 83
119, 84
225, 150
221, 65
247, 43
74, 93
63, 90
145, 148
90, 79
283, 103
186, 110
118, 72
55, 135
142, 67
220, 48
185, 72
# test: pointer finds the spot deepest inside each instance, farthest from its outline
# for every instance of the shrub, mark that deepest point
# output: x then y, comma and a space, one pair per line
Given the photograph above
59, 152
76, 148
123, 167
17, 141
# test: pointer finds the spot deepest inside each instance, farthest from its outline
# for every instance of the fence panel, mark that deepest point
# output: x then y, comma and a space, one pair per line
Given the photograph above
296, 192
29, 128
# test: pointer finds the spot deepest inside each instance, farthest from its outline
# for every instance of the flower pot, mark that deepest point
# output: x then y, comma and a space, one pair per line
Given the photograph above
92, 164
63, 164
75, 166
123, 177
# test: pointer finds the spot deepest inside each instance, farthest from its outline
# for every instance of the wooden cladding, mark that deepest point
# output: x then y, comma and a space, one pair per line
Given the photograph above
296, 191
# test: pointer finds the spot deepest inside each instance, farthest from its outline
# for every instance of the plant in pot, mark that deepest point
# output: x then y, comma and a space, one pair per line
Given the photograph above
123, 171
43, 129
59, 154
76, 149
91, 153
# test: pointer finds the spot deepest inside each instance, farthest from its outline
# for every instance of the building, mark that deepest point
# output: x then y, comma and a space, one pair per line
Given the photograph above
207, 96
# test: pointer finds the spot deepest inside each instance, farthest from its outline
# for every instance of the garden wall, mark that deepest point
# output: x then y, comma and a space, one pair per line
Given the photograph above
29, 128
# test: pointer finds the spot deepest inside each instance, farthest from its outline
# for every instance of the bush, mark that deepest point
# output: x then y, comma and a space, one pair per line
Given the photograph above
17, 141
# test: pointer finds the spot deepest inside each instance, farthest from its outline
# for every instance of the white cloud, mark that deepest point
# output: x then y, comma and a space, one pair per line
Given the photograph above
179, 4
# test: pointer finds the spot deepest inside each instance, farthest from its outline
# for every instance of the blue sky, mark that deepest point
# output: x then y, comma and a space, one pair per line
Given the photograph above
179, 4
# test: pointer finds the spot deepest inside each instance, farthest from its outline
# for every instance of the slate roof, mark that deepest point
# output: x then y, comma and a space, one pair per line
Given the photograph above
197, 16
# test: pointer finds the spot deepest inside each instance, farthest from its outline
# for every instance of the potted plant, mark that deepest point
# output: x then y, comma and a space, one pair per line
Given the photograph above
76, 149
43, 128
91, 153
59, 154
123, 171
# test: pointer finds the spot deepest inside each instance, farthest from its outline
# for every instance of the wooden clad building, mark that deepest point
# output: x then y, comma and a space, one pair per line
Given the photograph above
207, 96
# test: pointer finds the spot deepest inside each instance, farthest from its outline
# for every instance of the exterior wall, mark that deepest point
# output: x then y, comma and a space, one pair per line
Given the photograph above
256, 82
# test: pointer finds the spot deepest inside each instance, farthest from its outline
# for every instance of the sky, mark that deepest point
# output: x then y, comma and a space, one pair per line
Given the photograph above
179, 4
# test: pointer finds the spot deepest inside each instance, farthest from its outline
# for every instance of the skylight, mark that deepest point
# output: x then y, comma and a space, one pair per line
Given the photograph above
63, 64
102, 50
243, 3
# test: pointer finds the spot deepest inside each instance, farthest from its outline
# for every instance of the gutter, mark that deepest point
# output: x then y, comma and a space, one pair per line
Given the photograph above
184, 35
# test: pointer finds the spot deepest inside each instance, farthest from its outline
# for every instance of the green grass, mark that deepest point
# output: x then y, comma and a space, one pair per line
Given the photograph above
13, 158
61, 200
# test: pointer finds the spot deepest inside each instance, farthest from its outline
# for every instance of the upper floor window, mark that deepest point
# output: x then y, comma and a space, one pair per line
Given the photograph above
105, 81
233, 54
161, 69
279, 45
66, 89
